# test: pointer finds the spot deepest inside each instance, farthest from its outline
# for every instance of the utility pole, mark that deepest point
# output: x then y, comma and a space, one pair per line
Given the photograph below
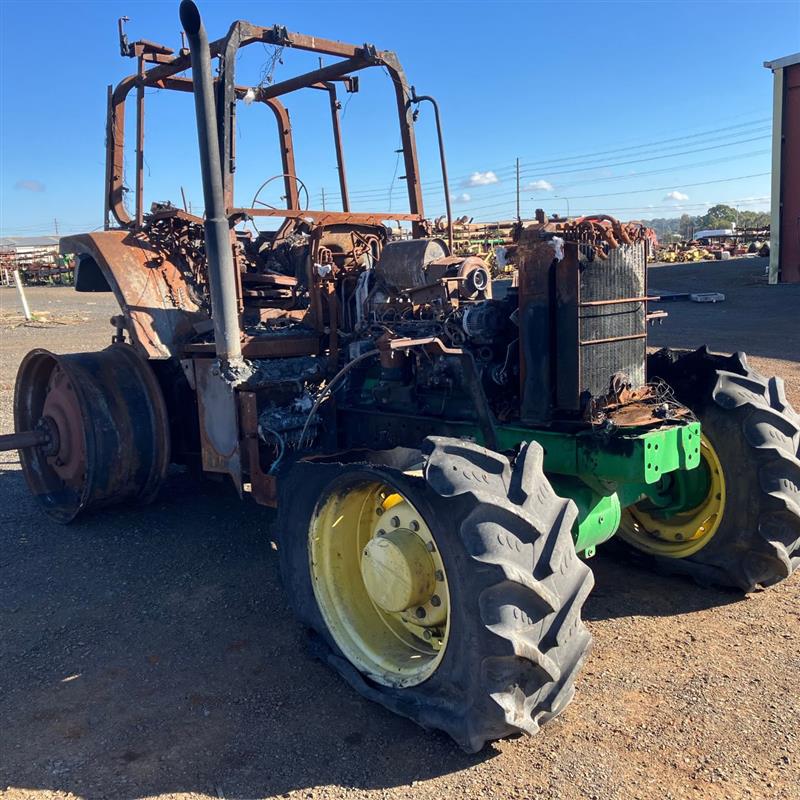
323, 197
55, 223
519, 218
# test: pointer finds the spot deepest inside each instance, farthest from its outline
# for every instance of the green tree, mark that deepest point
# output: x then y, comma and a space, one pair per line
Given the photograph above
753, 219
686, 225
719, 216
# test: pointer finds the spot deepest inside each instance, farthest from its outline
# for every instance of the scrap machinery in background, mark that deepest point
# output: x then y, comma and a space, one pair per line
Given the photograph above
445, 451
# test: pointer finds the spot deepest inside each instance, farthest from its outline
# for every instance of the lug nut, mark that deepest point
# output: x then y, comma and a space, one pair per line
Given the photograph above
414, 525
379, 511
431, 547
439, 575
420, 612
436, 601
395, 522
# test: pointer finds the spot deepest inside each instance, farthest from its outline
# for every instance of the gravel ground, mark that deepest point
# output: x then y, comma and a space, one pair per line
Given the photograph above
149, 652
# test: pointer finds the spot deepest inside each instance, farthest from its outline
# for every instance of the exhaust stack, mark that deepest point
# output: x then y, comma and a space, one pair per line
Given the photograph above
219, 256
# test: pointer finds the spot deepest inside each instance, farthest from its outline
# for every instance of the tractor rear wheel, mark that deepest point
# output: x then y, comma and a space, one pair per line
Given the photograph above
106, 425
450, 595
742, 527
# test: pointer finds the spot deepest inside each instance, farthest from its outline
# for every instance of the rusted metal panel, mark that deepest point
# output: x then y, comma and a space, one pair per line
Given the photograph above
536, 263
265, 347
326, 217
263, 487
219, 424
150, 289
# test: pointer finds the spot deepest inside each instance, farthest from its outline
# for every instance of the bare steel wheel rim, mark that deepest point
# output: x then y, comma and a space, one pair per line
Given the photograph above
380, 582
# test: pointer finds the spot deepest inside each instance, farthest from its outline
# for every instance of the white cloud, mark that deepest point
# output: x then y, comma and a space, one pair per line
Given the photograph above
540, 185
29, 185
463, 198
676, 195
482, 178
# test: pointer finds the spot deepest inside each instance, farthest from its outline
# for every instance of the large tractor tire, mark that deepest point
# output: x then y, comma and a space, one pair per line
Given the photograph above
744, 531
450, 592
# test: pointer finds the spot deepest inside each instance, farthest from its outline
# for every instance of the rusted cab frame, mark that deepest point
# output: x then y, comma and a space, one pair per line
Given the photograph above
164, 74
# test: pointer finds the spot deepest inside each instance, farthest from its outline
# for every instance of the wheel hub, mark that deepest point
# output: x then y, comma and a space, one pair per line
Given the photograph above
62, 412
688, 530
398, 571
380, 581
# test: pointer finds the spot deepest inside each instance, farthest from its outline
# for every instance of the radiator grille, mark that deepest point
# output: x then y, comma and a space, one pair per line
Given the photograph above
620, 276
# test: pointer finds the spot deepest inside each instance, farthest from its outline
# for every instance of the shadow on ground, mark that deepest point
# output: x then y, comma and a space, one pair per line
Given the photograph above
149, 651
625, 585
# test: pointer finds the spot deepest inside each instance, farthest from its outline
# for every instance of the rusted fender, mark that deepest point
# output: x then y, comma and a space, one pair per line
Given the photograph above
150, 289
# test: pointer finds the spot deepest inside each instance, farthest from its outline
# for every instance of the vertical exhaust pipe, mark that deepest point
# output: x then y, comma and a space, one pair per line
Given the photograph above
219, 255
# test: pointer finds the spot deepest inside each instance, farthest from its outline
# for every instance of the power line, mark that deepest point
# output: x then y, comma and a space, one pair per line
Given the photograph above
507, 194
612, 178
377, 194
554, 163
508, 203
677, 183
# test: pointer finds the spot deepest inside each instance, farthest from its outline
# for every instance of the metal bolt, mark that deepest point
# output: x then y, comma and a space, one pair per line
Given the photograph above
426, 633
379, 511
439, 575
395, 522
431, 547
679, 537
436, 601
381, 532
420, 612
414, 525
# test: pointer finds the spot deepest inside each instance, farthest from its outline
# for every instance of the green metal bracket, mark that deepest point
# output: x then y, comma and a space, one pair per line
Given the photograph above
619, 458
604, 474
599, 515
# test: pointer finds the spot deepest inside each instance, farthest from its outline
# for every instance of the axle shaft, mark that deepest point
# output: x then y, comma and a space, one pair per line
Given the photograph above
22, 440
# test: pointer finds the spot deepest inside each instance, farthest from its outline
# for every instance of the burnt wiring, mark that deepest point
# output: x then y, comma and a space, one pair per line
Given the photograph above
646, 406
329, 387
274, 58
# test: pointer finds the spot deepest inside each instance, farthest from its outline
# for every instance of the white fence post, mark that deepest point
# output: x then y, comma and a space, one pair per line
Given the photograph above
24, 300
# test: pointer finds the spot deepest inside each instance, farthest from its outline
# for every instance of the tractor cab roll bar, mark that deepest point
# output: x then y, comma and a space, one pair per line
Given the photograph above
159, 67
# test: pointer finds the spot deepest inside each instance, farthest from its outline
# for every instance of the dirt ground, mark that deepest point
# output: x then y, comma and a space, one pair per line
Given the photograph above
149, 652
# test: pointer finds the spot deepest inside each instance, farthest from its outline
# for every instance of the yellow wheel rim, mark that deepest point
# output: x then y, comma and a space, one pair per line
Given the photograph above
380, 582
686, 532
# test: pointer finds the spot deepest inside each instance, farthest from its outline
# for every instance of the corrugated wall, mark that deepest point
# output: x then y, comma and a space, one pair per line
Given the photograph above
790, 178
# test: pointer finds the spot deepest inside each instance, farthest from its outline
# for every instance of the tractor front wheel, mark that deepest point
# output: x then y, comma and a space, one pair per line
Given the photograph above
450, 593
740, 523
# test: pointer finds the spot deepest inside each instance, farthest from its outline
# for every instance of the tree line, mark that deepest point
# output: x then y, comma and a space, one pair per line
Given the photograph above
718, 216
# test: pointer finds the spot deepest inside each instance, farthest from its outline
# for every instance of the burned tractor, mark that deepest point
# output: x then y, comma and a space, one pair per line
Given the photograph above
444, 451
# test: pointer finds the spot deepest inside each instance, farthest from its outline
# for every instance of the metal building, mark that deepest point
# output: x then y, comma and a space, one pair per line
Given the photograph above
784, 260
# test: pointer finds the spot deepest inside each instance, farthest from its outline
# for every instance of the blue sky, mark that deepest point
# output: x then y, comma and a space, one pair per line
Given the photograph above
639, 109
